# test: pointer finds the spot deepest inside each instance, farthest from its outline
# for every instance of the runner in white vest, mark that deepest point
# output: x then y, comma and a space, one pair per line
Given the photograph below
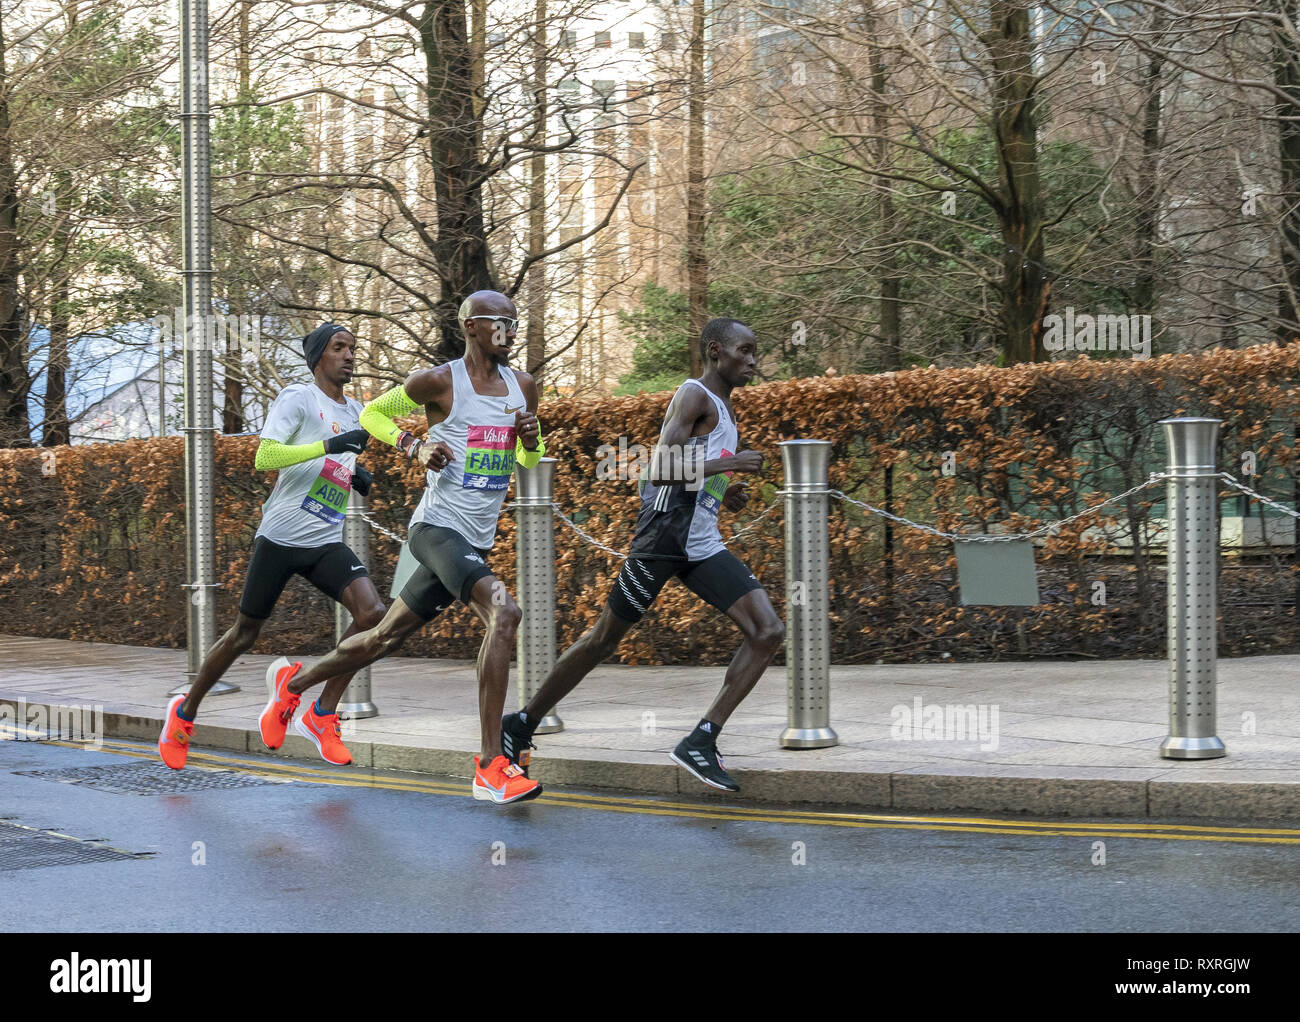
482, 418
677, 536
312, 436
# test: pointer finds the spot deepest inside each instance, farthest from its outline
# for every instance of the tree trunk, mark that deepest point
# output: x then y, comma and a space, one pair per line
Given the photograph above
697, 260
1150, 196
1286, 76
890, 282
15, 426
56, 430
536, 332
232, 413
1025, 288
460, 249
478, 65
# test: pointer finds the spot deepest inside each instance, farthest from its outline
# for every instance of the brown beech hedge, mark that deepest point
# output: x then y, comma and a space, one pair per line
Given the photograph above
92, 538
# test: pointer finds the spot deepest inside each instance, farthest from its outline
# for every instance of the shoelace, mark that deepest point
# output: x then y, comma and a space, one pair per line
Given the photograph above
292, 701
184, 729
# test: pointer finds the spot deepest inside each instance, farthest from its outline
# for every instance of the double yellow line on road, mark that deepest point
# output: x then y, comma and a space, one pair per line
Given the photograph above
358, 778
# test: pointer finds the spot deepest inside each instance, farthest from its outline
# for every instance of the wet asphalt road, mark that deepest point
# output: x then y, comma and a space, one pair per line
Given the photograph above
381, 851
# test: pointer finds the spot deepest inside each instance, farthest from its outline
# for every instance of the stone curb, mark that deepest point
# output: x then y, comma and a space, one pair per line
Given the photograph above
1087, 791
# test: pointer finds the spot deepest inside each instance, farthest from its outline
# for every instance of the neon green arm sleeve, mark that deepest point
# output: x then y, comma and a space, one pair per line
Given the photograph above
377, 417
527, 458
271, 454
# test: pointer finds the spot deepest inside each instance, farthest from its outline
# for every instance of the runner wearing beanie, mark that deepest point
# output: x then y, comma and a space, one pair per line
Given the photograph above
312, 437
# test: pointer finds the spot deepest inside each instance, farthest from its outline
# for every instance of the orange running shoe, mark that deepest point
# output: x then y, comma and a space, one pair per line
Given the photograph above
502, 782
174, 742
324, 731
280, 708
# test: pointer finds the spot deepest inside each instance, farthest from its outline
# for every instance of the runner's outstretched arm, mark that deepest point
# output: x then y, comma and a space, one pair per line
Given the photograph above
377, 417
272, 455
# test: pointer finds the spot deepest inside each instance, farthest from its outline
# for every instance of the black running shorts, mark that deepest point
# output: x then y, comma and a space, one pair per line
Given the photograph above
719, 581
330, 568
449, 569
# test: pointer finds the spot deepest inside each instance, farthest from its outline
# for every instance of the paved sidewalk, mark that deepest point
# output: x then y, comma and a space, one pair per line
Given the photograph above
1076, 738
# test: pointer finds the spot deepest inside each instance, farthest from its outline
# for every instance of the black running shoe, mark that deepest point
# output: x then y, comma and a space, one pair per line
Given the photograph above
705, 764
516, 740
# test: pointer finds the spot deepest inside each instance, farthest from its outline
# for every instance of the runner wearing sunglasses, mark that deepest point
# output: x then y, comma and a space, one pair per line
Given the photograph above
482, 418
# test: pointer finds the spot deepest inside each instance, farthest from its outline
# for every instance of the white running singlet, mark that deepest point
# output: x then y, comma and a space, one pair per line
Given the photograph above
480, 430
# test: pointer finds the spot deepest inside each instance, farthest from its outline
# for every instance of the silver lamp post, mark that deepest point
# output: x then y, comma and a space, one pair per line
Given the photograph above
198, 331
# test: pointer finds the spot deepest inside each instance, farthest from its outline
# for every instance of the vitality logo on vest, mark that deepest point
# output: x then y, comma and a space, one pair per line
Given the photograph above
489, 457
102, 976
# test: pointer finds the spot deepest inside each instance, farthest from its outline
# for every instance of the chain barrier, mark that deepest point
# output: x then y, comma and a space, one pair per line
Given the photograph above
1258, 496
763, 514
1156, 477
590, 539
572, 525
554, 507
586, 537
379, 528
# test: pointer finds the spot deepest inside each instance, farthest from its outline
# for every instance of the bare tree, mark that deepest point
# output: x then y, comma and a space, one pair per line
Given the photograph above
697, 260
81, 129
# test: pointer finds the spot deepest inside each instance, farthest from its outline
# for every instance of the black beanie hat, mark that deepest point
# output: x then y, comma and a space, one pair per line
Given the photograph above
313, 345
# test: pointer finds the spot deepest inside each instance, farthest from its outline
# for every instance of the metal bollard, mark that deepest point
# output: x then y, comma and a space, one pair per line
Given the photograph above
1192, 557
535, 567
355, 702
807, 636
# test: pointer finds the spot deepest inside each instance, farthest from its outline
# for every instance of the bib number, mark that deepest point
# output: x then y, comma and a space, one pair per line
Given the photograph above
715, 488
327, 498
489, 458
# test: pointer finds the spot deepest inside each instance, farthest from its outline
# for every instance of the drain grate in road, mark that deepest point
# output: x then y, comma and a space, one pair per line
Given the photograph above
151, 778
26, 848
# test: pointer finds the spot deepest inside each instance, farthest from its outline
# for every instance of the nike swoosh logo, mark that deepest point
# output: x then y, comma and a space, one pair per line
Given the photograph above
483, 783
511, 411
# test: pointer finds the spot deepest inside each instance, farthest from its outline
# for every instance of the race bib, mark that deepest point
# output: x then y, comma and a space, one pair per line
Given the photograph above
489, 457
327, 498
715, 488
